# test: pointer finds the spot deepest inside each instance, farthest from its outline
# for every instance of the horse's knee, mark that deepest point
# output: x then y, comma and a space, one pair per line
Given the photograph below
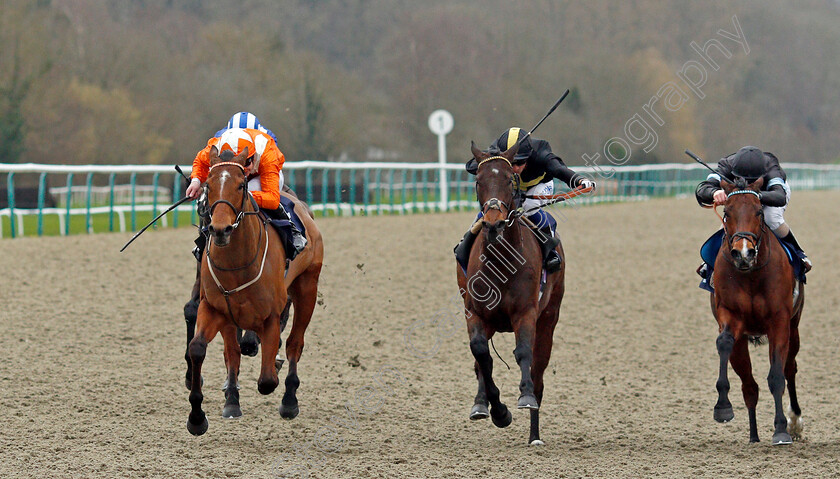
479, 347
197, 349
522, 352
725, 342
776, 380
191, 312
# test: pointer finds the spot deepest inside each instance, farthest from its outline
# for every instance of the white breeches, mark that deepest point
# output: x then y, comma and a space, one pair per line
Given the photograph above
774, 216
254, 183
546, 188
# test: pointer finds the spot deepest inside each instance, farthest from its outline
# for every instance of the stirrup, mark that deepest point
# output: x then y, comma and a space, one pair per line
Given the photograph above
703, 270
553, 262
807, 263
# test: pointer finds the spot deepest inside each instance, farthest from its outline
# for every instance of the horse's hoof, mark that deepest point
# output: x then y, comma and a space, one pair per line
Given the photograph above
536, 442
754, 439
503, 420
479, 411
289, 412
249, 349
527, 401
231, 411
795, 426
278, 364
197, 429
781, 438
724, 414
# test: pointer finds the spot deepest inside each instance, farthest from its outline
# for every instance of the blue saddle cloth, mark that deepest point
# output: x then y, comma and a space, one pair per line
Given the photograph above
711, 247
284, 226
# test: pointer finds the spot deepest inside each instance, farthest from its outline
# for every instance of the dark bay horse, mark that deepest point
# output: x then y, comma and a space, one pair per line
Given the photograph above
243, 286
756, 294
501, 291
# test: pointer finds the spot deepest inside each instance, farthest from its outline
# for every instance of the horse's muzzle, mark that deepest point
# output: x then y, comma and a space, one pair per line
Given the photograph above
221, 236
744, 259
494, 230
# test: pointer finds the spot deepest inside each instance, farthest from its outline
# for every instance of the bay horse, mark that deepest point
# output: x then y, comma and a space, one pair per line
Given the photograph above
243, 286
756, 294
501, 291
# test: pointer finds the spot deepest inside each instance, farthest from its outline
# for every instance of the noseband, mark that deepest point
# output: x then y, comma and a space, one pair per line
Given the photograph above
755, 239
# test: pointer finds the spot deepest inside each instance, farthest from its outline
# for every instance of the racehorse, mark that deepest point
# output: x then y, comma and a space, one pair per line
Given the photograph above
501, 291
243, 286
756, 294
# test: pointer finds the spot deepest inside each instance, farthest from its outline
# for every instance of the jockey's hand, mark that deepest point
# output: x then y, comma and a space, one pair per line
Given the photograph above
194, 190
586, 183
719, 197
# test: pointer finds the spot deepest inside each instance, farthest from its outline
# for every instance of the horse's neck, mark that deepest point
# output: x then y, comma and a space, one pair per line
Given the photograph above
507, 255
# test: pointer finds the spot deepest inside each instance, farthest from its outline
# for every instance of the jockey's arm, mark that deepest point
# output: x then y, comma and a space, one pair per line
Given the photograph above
269, 171
556, 168
705, 192
774, 196
200, 170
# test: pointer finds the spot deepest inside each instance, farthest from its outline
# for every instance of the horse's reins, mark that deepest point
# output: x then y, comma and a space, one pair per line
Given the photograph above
749, 235
240, 214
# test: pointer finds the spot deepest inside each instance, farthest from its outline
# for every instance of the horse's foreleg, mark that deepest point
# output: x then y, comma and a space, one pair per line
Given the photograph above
723, 409
480, 409
542, 354
795, 413
190, 314
481, 351
232, 358
268, 381
776, 380
740, 361
304, 293
208, 324
524, 354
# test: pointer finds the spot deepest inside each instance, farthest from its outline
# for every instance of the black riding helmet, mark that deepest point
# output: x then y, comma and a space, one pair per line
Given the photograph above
749, 163
509, 138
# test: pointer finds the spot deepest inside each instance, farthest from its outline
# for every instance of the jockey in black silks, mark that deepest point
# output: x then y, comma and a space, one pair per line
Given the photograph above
537, 167
751, 164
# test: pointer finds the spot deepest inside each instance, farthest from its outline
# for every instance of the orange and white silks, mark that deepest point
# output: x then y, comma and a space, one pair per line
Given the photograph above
267, 162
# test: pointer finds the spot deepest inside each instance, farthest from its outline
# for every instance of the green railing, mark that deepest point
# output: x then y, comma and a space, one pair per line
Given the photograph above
54, 199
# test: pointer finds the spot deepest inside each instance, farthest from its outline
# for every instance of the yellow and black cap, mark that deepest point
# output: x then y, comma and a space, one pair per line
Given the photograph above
509, 138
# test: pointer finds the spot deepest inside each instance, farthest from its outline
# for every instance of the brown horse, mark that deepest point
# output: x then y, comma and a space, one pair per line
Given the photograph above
501, 291
243, 286
756, 294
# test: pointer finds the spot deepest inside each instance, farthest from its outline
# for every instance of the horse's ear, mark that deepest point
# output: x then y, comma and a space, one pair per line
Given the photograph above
476, 152
214, 155
242, 157
757, 184
511, 152
727, 186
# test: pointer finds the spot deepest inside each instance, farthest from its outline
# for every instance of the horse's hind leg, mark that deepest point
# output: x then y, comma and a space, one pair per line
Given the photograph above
190, 315
542, 354
723, 408
232, 359
481, 351
795, 413
740, 361
304, 292
208, 324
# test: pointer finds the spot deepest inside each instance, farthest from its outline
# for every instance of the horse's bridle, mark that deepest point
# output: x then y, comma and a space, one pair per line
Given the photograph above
497, 204
240, 212
755, 239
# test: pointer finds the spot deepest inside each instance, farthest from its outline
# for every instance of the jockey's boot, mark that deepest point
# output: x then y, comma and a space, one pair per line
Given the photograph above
791, 240
200, 243
298, 239
551, 258
462, 249
703, 271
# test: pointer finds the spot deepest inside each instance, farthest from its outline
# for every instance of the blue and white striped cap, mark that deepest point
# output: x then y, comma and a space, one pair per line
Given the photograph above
243, 119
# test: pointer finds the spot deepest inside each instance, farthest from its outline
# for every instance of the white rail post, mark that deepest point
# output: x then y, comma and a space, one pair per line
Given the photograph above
441, 123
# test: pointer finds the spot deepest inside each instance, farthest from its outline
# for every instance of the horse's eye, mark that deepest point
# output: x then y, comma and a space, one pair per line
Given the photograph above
243, 186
